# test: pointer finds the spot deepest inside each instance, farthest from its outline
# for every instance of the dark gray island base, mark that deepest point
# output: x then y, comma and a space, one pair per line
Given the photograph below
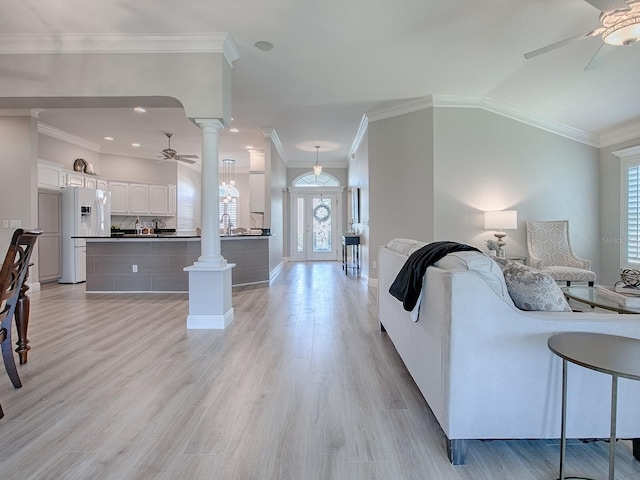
157, 264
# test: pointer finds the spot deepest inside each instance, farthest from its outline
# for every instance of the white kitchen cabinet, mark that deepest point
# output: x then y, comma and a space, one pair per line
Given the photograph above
49, 175
119, 197
256, 192
102, 184
172, 200
158, 199
90, 182
138, 198
75, 179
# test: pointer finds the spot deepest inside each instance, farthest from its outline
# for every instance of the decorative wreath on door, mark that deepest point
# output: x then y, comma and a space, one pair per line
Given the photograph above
321, 213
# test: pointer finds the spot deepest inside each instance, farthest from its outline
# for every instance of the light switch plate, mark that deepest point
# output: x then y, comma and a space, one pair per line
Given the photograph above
15, 224
5, 224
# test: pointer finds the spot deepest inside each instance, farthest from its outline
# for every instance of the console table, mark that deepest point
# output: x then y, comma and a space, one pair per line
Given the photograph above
354, 242
610, 354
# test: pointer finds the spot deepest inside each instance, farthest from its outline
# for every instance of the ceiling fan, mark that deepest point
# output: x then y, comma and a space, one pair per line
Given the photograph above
170, 154
620, 25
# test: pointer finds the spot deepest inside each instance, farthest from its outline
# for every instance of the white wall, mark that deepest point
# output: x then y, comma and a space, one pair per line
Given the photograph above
484, 161
132, 169
401, 180
18, 183
65, 153
359, 178
444, 167
275, 211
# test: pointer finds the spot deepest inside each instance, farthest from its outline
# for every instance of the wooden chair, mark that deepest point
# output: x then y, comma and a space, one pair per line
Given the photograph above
12, 275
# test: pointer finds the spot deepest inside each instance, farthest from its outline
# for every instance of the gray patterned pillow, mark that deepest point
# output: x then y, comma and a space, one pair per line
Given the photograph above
531, 289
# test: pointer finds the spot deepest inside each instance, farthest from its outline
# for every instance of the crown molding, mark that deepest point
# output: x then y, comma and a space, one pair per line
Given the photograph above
624, 133
49, 131
275, 140
119, 43
490, 105
401, 108
627, 152
362, 129
19, 112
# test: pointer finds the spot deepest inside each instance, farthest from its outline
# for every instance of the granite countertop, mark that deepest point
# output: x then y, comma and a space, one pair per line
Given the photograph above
165, 236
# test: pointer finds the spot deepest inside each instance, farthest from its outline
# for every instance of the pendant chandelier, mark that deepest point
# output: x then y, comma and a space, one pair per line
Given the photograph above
317, 168
227, 189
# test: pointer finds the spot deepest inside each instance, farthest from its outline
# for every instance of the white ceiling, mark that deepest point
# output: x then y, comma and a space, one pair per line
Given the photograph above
337, 59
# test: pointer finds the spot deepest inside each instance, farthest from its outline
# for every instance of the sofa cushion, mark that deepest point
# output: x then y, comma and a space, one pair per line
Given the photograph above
404, 246
489, 270
532, 289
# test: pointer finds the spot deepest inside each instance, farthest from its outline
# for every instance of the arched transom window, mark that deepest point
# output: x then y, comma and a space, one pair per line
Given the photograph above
311, 180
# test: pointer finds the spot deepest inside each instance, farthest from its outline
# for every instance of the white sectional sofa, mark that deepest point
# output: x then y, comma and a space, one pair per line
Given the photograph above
484, 367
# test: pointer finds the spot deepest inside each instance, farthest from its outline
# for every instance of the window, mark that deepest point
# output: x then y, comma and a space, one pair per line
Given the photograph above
311, 180
633, 245
232, 210
630, 207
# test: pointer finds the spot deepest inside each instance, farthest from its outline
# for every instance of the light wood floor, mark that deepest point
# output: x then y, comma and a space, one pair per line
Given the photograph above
301, 386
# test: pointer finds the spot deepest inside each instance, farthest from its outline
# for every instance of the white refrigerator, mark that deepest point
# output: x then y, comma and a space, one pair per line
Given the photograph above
86, 212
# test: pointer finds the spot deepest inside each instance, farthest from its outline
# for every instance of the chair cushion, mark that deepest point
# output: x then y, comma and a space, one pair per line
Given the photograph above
532, 289
569, 274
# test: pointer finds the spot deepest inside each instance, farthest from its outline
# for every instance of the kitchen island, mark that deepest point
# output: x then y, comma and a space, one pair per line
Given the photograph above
155, 263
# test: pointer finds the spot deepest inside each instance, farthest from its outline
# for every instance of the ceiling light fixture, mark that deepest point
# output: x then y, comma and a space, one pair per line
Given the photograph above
227, 189
140, 109
234, 130
317, 168
135, 145
108, 138
622, 27
263, 45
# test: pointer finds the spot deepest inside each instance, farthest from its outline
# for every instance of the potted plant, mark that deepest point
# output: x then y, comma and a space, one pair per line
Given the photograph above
492, 245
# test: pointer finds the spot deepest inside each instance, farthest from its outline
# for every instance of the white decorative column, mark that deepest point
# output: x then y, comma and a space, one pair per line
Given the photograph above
210, 304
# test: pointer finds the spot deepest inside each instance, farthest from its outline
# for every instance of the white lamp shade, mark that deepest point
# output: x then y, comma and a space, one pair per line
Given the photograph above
501, 220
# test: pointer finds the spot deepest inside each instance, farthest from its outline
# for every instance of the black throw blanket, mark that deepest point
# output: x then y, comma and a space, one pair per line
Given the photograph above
408, 283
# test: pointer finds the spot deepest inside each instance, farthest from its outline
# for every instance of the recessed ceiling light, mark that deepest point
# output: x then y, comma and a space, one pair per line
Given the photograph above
108, 138
248, 147
135, 145
140, 109
263, 45
234, 130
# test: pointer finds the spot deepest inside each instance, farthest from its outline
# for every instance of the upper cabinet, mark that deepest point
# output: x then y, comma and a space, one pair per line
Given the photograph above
52, 176
49, 175
142, 199
256, 192
159, 199
138, 198
119, 197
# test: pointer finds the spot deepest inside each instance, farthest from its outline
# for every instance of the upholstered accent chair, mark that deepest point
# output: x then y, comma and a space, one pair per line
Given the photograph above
550, 250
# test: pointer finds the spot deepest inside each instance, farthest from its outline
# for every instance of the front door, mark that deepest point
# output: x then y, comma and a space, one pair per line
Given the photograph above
314, 222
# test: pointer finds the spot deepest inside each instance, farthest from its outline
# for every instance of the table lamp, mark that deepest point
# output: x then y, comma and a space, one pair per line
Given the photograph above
501, 220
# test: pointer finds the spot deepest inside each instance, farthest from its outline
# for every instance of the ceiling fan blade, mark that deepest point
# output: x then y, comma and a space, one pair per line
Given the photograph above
188, 156
185, 160
553, 46
600, 57
607, 6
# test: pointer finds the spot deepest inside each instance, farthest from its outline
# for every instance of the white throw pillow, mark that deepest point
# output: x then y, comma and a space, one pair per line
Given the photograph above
477, 262
532, 289
405, 246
